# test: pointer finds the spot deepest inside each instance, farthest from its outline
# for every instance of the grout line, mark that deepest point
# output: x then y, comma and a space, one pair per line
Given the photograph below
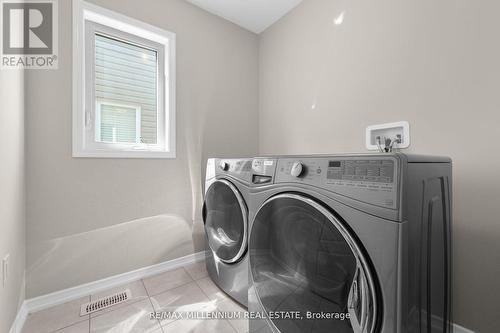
161, 292
147, 292
152, 305
234, 328
183, 267
68, 326
164, 291
196, 263
203, 291
182, 285
186, 271
203, 277
218, 301
72, 324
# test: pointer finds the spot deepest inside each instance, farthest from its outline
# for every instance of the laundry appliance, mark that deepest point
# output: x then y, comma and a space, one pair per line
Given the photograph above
225, 216
350, 244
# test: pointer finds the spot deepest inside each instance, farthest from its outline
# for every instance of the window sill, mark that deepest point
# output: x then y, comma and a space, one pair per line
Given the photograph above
125, 154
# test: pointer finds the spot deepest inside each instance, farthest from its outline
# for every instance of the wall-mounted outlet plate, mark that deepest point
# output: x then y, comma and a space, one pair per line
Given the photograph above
389, 130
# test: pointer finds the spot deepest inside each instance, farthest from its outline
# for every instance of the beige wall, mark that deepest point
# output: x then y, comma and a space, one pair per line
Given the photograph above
433, 63
92, 218
12, 193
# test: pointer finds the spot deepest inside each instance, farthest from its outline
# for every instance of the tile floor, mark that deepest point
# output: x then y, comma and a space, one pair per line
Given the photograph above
184, 289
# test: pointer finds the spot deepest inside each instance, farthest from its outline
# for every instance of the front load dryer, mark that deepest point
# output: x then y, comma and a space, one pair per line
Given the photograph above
350, 244
225, 216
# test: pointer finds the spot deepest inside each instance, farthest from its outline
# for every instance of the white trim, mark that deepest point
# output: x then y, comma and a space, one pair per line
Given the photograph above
138, 113
125, 154
67, 295
18, 323
82, 12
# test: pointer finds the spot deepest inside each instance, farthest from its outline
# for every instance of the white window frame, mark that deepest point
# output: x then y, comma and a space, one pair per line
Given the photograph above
87, 18
98, 112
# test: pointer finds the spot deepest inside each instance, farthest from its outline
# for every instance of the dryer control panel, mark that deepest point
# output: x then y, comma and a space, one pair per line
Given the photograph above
373, 180
263, 170
240, 169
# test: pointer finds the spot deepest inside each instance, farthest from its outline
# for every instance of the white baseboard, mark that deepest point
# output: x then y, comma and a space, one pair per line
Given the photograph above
67, 295
18, 323
459, 329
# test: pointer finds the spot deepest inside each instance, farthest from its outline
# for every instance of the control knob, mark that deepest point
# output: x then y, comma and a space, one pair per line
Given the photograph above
224, 166
297, 169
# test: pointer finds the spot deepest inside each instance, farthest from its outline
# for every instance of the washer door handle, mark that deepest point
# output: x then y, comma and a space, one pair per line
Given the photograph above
204, 212
358, 302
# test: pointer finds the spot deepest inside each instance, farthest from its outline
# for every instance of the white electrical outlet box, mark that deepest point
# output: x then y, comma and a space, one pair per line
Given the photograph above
5, 269
389, 130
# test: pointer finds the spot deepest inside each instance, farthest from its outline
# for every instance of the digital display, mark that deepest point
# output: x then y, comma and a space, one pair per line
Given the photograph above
361, 171
334, 164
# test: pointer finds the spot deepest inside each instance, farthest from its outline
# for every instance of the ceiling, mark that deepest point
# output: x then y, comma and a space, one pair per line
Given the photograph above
253, 15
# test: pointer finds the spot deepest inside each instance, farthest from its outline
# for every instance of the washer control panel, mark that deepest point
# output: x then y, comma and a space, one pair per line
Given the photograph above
373, 180
361, 170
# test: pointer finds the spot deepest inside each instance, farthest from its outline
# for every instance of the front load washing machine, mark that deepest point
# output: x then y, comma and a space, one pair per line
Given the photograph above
350, 243
225, 216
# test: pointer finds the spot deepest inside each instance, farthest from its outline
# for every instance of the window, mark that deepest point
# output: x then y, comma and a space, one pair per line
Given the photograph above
116, 123
123, 86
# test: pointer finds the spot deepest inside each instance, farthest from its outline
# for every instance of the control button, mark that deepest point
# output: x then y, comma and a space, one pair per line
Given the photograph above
224, 166
297, 169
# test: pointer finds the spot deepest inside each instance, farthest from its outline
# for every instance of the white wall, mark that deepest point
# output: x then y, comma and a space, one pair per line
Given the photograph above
12, 193
433, 63
91, 218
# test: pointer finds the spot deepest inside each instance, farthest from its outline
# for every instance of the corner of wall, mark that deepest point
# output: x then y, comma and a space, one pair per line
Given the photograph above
12, 194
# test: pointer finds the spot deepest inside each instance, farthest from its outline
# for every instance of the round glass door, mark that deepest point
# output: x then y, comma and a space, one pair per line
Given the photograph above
225, 216
304, 261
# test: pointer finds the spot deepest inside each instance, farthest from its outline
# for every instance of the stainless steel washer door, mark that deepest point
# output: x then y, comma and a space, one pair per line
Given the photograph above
303, 259
225, 216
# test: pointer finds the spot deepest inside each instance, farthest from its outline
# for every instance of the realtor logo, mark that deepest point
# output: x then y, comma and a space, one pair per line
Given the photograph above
29, 34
